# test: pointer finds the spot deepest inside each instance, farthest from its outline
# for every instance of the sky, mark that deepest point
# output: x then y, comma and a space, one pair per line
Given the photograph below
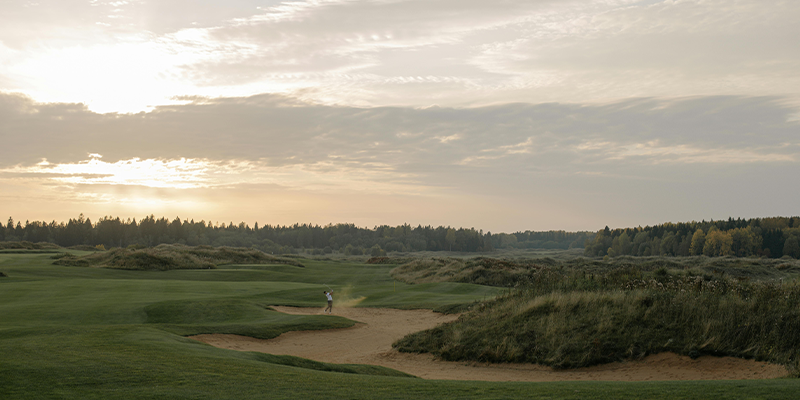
504, 116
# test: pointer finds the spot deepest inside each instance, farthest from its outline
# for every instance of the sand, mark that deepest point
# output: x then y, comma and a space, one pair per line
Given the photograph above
370, 342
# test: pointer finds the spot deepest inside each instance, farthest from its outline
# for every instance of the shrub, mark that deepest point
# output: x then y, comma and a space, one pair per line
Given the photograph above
577, 319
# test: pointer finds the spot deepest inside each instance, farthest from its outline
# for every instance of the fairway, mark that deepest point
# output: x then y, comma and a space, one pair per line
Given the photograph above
83, 333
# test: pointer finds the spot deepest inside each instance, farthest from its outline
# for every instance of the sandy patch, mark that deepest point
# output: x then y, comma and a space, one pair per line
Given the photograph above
370, 342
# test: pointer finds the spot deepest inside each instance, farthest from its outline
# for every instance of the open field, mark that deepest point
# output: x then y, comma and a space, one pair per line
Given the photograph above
83, 333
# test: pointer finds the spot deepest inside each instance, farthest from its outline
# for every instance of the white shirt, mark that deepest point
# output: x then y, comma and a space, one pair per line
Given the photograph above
330, 298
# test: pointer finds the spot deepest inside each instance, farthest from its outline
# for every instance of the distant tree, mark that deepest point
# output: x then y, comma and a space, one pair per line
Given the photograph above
487, 242
718, 243
684, 246
698, 242
11, 233
791, 247
625, 243
773, 241
639, 246
450, 238
394, 245
745, 241
669, 244
350, 250
376, 251
599, 246
620, 245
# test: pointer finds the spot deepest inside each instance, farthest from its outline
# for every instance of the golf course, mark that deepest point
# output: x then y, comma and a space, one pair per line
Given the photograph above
78, 332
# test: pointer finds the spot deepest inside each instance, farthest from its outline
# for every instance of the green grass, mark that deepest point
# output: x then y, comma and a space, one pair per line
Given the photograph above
510, 268
578, 320
171, 256
92, 333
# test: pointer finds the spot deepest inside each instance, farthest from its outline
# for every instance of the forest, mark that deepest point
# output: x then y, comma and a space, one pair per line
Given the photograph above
773, 237
110, 232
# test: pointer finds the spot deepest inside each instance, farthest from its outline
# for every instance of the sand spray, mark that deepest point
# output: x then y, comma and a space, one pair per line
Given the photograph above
343, 297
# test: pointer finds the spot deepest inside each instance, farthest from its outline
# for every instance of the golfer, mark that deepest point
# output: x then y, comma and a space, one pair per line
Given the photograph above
329, 310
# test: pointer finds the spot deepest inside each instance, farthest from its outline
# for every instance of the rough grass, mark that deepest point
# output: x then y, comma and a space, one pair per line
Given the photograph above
28, 245
478, 270
514, 271
578, 320
83, 333
169, 257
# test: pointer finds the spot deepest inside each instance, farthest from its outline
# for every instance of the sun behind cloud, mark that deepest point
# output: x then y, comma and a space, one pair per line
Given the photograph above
176, 174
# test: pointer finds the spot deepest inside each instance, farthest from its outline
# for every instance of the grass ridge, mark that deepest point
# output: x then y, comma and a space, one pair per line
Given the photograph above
578, 320
169, 257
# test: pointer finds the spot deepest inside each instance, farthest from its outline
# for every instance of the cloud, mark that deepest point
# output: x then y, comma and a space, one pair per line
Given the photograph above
408, 53
618, 109
504, 167
664, 48
458, 53
67, 22
279, 132
343, 43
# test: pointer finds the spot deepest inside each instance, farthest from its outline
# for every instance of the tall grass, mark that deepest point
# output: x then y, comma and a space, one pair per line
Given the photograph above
513, 270
28, 245
167, 257
579, 319
478, 270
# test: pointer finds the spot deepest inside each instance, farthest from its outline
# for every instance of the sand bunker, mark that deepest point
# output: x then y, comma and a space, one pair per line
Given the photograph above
370, 342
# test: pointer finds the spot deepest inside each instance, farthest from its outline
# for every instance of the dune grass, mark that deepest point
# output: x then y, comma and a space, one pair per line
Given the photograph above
97, 333
509, 269
25, 245
574, 319
171, 256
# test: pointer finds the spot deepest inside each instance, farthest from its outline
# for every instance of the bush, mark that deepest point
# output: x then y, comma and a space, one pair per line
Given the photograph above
376, 251
578, 319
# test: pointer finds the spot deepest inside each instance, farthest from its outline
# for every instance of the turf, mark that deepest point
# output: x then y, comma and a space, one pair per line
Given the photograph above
87, 333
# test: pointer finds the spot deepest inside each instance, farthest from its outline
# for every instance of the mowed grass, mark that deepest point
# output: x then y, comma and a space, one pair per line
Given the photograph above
84, 333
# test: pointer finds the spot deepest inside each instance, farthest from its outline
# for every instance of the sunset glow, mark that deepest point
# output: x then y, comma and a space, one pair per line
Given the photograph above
536, 115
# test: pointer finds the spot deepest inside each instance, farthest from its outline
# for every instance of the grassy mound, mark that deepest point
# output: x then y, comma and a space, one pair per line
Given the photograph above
232, 316
389, 260
168, 257
204, 311
25, 245
361, 369
511, 272
578, 320
479, 270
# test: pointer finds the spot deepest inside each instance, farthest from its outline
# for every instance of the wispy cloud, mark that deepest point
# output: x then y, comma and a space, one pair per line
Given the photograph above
273, 139
576, 105
410, 52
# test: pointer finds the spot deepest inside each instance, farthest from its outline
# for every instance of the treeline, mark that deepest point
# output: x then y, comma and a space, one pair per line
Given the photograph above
346, 238
758, 237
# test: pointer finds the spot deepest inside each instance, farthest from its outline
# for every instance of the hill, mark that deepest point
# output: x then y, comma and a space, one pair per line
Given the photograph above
167, 257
